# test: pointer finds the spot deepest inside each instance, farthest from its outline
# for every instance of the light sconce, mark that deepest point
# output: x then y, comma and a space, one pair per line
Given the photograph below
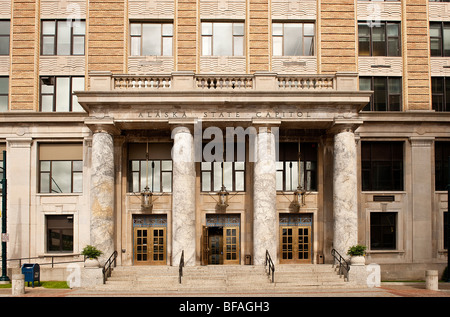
223, 197
146, 198
299, 197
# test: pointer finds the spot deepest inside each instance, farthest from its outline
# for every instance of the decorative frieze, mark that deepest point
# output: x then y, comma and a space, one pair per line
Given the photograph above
294, 9
151, 9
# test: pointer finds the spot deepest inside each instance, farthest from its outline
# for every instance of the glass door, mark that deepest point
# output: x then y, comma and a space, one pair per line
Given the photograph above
295, 244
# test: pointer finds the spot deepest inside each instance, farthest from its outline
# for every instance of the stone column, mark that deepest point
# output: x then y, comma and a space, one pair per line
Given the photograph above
345, 200
183, 196
102, 193
264, 198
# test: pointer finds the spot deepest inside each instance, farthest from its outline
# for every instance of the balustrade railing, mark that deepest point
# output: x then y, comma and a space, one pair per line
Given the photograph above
227, 82
142, 82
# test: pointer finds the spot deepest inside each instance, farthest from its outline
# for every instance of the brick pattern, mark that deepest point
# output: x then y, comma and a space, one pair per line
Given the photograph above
259, 33
23, 79
417, 93
338, 36
186, 35
106, 37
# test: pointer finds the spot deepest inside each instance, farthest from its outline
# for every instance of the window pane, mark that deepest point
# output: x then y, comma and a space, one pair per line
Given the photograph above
48, 27
446, 39
277, 46
135, 29
4, 45
308, 46
217, 176
206, 28
308, 29
293, 45
4, 27
77, 182
206, 181
151, 39
238, 46
206, 46
48, 45
63, 41
61, 176
277, 29
380, 93
222, 37
47, 103
167, 46
78, 45
239, 181
167, 182
228, 175
238, 29
77, 85
79, 27
379, 40
62, 94
3, 103
45, 183
4, 83
135, 46
167, 29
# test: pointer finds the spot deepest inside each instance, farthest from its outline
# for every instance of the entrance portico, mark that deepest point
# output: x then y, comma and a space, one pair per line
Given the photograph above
178, 109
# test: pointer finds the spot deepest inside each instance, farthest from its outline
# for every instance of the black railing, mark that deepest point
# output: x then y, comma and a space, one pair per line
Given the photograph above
180, 267
344, 266
107, 268
52, 257
269, 263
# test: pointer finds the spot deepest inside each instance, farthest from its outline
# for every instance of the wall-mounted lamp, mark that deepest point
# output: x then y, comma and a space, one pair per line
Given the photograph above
146, 198
223, 197
299, 197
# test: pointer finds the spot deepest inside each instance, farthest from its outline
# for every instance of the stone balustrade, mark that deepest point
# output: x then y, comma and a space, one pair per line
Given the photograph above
188, 81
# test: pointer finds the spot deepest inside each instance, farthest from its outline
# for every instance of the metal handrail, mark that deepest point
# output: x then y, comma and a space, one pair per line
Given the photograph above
271, 265
52, 263
344, 266
107, 267
180, 267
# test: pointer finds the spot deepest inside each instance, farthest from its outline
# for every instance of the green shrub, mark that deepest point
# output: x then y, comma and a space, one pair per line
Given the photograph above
91, 252
357, 250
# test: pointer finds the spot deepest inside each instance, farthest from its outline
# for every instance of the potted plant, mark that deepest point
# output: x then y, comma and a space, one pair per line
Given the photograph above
357, 253
91, 253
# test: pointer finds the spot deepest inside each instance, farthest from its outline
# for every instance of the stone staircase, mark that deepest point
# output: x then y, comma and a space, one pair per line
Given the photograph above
221, 279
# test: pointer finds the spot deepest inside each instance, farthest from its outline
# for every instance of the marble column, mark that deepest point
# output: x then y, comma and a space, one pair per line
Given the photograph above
183, 196
264, 198
345, 202
102, 194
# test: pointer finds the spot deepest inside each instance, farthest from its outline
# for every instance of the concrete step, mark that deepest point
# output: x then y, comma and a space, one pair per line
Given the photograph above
222, 278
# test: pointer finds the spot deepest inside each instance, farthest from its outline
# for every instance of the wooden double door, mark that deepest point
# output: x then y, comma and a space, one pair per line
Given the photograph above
295, 244
220, 245
150, 245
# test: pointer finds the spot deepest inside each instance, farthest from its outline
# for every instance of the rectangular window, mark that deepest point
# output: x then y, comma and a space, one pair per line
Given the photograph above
293, 39
59, 233
387, 93
230, 173
440, 90
4, 37
63, 37
379, 38
287, 178
440, 39
149, 165
151, 39
382, 166
154, 174
222, 39
4, 94
60, 168
383, 230
441, 155
56, 93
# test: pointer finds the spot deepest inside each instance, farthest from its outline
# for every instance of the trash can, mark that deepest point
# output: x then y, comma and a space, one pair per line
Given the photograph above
32, 273
248, 259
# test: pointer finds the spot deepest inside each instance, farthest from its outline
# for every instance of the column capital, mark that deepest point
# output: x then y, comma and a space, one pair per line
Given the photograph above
99, 125
340, 126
